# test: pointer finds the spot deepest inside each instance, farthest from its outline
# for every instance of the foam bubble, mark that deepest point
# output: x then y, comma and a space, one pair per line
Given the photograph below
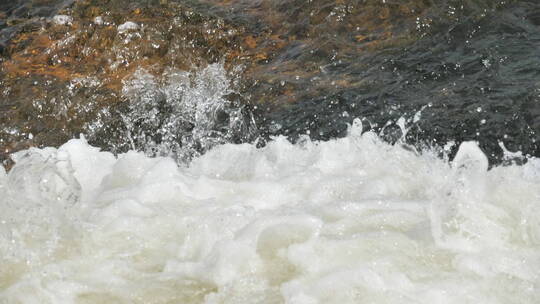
128, 26
62, 20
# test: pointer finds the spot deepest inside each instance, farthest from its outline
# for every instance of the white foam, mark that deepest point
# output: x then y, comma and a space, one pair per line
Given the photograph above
98, 20
62, 20
128, 26
352, 220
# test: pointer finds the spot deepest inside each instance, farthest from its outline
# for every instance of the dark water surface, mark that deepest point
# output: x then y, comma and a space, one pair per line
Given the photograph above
474, 71
451, 70
16, 15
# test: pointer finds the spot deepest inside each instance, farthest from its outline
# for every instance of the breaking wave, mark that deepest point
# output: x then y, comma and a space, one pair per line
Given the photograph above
350, 220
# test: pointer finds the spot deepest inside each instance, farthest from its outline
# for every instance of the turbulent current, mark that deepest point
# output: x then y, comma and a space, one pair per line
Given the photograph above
272, 151
350, 220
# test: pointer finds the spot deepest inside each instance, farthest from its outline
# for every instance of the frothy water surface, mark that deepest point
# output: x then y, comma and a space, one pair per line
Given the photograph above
351, 220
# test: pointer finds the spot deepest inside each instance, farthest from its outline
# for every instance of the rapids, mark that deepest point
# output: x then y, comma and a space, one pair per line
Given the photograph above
350, 220
270, 151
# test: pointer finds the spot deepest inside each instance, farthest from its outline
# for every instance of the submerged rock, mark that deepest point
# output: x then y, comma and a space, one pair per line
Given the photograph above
67, 75
414, 71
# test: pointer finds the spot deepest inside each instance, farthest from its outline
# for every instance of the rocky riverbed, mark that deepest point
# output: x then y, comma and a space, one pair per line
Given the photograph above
426, 73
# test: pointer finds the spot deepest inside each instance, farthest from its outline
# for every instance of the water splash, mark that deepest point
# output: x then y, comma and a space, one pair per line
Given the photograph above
182, 114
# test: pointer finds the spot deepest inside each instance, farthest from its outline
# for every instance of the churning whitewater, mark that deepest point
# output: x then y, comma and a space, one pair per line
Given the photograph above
351, 220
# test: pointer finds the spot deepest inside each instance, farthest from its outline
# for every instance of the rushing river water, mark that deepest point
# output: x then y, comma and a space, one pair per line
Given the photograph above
270, 151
